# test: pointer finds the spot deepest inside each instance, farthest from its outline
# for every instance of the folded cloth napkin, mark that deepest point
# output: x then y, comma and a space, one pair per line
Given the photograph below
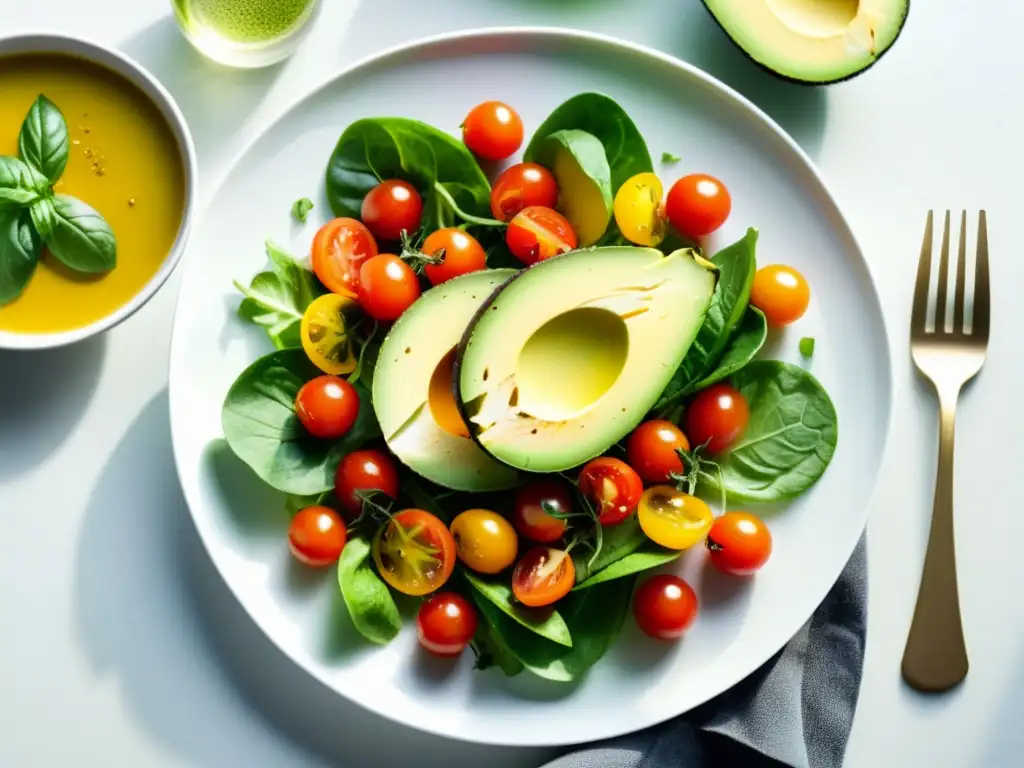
794, 711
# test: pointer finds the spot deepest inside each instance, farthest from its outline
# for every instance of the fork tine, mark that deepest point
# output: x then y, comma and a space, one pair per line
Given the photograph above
979, 325
919, 316
940, 293
961, 277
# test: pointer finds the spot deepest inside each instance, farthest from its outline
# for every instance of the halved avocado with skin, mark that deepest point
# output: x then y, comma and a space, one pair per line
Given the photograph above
812, 41
577, 161
413, 393
569, 355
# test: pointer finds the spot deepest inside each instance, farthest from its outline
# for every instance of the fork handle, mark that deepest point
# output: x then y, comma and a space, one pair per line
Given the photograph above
935, 657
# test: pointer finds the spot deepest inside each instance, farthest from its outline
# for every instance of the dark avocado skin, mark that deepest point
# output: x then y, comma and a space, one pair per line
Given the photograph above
810, 83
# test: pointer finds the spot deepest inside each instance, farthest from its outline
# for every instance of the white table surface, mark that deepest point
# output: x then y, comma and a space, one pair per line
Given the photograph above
119, 643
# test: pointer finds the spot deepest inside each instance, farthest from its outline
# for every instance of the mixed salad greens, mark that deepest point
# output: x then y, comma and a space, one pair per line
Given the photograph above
507, 399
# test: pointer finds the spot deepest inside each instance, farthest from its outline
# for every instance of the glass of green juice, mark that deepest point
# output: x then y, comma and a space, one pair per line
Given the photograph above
245, 33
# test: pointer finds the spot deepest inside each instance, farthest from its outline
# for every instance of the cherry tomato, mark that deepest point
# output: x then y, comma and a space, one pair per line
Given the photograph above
414, 552
665, 606
492, 130
460, 254
781, 293
613, 487
484, 540
717, 416
316, 536
327, 406
521, 186
530, 518
324, 333
739, 543
542, 576
392, 207
538, 233
652, 451
339, 249
446, 623
697, 205
364, 470
672, 518
389, 287
638, 210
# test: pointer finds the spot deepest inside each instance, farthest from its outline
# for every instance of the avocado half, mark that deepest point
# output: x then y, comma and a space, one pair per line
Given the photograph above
812, 41
568, 356
413, 393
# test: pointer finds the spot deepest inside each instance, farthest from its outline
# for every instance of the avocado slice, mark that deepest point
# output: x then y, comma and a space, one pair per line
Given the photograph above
579, 165
570, 354
412, 387
812, 41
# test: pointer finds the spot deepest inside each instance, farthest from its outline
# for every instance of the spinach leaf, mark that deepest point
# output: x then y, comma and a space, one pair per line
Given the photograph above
601, 116
743, 345
491, 651
276, 299
415, 490
789, 440
17, 184
545, 622
80, 238
43, 141
367, 598
648, 556
588, 213
301, 209
262, 429
20, 247
294, 503
617, 542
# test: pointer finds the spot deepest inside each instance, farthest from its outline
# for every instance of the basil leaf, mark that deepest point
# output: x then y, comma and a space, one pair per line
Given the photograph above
277, 299
43, 142
743, 346
617, 542
261, 428
20, 247
367, 598
44, 216
80, 238
545, 622
301, 209
647, 557
17, 184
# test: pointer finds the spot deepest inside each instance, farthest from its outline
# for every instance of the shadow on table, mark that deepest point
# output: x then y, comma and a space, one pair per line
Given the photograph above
192, 667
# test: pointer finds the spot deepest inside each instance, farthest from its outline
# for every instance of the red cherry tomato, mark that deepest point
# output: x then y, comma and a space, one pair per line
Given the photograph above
339, 249
781, 293
651, 451
613, 487
388, 287
665, 607
316, 536
492, 130
460, 252
697, 205
365, 470
542, 576
521, 186
327, 406
392, 207
717, 416
446, 623
529, 516
538, 233
739, 543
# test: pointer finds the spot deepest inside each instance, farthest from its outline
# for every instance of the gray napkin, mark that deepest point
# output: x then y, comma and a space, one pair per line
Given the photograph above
794, 711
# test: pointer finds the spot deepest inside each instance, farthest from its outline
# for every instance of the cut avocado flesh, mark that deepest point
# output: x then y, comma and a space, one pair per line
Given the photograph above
814, 41
569, 355
413, 394
578, 162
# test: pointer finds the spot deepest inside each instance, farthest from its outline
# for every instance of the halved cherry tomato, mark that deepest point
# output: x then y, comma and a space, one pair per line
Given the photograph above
446, 623
460, 254
739, 544
414, 552
781, 293
697, 205
520, 186
672, 518
529, 516
484, 540
392, 207
613, 487
652, 451
717, 416
365, 470
542, 576
388, 287
538, 233
327, 406
665, 607
638, 210
324, 332
316, 536
492, 130
339, 249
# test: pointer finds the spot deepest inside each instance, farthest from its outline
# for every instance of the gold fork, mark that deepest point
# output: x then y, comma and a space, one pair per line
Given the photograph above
935, 657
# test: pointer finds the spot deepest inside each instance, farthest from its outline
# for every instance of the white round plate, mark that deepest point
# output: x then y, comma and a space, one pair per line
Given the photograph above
679, 110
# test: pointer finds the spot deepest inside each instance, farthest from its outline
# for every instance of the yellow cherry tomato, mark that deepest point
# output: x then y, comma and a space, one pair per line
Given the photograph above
638, 210
781, 292
325, 333
484, 540
414, 552
672, 518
